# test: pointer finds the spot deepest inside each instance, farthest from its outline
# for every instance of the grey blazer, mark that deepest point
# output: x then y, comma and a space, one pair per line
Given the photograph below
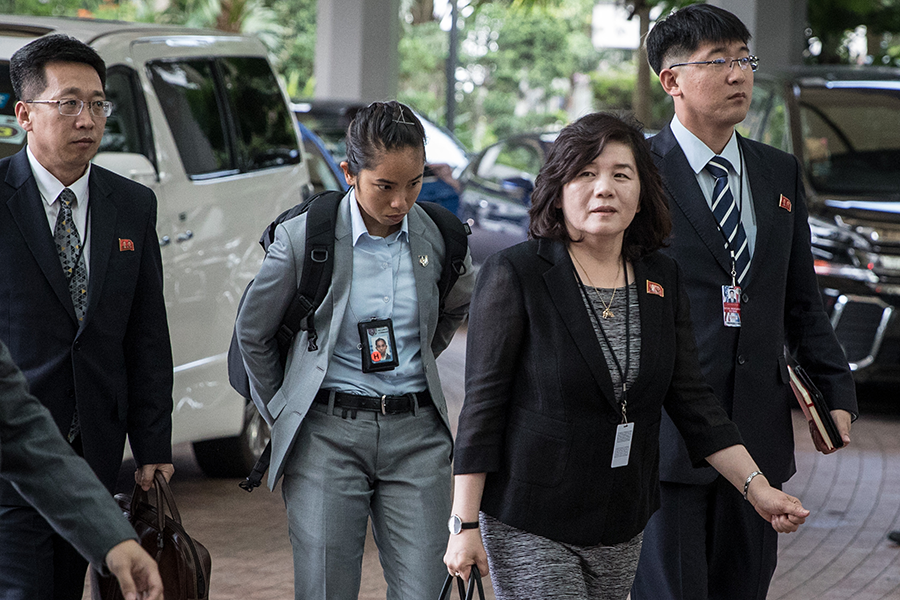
283, 398
49, 475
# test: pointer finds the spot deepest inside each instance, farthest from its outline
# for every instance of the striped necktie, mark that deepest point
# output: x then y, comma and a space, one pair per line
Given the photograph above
728, 216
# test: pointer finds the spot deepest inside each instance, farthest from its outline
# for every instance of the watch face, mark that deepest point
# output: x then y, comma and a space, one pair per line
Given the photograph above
454, 525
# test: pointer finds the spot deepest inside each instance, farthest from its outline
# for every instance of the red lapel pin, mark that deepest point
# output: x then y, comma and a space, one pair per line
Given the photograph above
126, 245
655, 289
785, 203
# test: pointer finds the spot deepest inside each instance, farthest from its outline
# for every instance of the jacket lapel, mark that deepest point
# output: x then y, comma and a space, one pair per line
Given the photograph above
27, 211
102, 214
683, 189
765, 204
565, 294
651, 317
424, 264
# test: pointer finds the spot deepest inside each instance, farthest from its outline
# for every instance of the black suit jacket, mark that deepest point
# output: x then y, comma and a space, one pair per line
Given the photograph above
780, 303
117, 366
540, 416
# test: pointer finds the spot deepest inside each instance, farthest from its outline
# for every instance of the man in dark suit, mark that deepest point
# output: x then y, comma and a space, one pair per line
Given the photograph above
34, 459
81, 304
740, 225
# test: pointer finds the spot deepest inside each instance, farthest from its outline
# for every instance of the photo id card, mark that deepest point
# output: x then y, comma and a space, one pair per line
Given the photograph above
731, 305
376, 338
622, 447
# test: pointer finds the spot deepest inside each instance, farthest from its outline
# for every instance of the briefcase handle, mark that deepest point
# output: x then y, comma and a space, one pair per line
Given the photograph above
163, 494
468, 594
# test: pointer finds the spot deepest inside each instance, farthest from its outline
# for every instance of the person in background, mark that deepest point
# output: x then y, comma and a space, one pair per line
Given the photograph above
81, 301
577, 340
740, 224
352, 442
48, 475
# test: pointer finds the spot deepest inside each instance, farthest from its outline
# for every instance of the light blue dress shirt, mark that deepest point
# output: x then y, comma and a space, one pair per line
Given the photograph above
382, 286
698, 156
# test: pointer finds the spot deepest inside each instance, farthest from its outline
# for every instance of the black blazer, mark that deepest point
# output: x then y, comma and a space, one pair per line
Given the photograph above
118, 366
780, 303
540, 416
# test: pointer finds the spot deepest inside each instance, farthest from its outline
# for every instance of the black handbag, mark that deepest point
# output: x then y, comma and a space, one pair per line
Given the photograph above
184, 563
468, 594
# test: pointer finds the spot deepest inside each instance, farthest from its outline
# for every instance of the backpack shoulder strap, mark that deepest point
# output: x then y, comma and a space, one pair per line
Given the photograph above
318, 266
456, 243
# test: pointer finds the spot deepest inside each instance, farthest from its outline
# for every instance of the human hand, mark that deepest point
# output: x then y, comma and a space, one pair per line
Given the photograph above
783, 511
463, 551
136, 571
843, 422
143, 476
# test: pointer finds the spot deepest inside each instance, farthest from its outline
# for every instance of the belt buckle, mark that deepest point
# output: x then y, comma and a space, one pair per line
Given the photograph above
383, 409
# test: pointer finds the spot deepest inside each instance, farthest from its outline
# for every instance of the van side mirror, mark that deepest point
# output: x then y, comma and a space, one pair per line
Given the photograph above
136, 167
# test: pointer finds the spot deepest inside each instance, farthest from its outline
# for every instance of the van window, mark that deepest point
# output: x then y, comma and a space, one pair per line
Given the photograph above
128, 127
265, 132
187, 92
12, 136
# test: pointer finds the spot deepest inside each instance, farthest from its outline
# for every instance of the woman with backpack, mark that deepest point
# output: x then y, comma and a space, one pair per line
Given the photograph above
356, 432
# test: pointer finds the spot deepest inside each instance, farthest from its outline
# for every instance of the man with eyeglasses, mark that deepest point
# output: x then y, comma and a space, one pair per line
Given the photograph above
81, 302
739, 231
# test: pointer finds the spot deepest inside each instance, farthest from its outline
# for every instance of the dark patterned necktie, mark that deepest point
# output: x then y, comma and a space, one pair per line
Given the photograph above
728, 216
71, 256
71, 253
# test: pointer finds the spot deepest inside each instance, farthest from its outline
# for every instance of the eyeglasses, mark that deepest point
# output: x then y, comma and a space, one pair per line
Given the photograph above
73, 108
726, 64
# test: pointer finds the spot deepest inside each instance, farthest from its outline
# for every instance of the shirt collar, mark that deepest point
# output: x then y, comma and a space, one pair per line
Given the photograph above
358, 226
698, 154
50, 187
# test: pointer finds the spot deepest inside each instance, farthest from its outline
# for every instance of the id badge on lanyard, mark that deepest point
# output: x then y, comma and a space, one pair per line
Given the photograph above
731, 305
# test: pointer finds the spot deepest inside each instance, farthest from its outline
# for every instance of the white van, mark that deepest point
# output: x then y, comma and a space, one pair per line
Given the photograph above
200, 118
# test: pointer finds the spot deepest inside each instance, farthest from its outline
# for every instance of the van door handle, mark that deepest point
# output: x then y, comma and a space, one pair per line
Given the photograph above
183, 237
164, 241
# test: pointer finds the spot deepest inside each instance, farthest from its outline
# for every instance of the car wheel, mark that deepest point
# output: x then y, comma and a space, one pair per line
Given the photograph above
234, 456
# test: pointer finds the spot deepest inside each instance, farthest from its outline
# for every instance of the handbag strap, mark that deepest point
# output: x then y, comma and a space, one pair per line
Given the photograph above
163, 494
467, 593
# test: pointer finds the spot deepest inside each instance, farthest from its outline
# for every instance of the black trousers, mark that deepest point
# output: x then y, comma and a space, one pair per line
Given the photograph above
706, 542
36, 563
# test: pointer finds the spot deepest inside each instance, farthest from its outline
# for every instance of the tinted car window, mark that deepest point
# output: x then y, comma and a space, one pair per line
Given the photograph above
508, 161
851, 138
265, 130
187, 93
127, 128
320, 173
767, 118
12, 137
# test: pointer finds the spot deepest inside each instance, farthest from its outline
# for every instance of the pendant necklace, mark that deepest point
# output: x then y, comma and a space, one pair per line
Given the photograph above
607, 313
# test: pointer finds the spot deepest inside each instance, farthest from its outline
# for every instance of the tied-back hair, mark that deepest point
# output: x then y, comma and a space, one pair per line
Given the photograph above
382, 127
685, 29
28, 63
577, 145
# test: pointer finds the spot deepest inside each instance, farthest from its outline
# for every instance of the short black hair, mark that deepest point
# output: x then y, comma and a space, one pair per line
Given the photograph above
28, 63
382, 127
684, 30
577, 145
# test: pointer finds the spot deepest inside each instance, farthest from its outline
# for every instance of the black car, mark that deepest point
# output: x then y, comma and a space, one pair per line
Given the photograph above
843, 124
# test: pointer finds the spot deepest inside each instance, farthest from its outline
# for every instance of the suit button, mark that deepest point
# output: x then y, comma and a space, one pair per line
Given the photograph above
741, 359
76, 345
71, 393
745, 298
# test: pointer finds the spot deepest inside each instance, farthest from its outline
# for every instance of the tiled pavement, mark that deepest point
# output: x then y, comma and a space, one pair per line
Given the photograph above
840, 554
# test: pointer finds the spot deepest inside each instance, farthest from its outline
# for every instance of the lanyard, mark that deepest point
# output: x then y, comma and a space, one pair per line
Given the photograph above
622, 375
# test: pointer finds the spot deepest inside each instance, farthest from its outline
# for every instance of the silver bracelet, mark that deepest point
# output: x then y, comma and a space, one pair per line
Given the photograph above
747, 483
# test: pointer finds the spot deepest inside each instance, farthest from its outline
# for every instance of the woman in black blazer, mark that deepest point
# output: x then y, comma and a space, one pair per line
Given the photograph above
577, 339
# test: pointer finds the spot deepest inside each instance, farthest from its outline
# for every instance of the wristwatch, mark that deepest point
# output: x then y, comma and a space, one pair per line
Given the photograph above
456, 525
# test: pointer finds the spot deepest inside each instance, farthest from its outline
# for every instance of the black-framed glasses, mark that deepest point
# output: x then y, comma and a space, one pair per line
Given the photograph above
726, 64
73, 108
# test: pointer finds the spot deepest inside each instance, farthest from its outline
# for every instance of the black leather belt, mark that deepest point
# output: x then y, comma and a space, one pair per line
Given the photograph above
386, 405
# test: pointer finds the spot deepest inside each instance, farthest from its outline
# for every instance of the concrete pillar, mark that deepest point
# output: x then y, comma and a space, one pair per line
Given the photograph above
777, 27
356, 49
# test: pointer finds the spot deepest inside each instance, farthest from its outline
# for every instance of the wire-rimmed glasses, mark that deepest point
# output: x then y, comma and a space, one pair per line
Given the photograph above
72, 107
726, 64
